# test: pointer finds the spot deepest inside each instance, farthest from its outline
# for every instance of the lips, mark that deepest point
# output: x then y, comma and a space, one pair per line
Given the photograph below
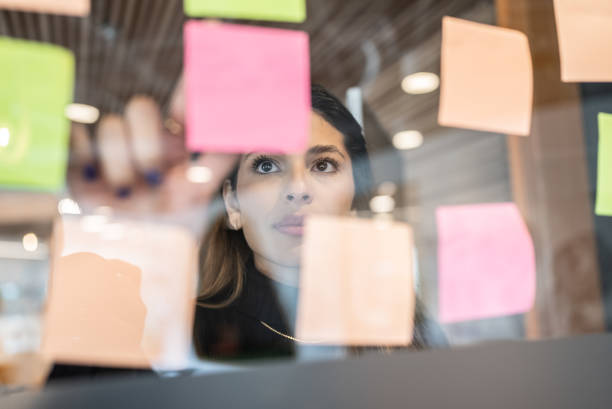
292, 225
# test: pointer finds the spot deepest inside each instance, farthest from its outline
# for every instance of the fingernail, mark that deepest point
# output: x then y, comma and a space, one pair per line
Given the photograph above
124, 192
153, 177
89, 172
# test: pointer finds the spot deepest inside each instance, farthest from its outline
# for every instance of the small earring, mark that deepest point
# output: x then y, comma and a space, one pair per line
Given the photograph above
234, 222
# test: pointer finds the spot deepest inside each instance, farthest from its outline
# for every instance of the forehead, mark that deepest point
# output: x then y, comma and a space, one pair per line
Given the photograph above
323, 133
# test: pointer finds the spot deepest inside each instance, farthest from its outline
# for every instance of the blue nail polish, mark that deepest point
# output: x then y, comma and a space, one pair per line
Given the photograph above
89, 173
153, 177
124, 192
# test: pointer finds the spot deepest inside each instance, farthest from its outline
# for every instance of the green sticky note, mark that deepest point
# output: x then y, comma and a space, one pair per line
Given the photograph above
603, 205
293, 11
37, 82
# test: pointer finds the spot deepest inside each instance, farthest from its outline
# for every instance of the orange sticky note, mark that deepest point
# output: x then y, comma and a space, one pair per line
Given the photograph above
584, 29
487, 78
67, 7
486, 262
356, 282
137, 278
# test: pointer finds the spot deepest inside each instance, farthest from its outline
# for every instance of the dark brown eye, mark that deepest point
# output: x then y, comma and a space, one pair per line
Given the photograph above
325, 166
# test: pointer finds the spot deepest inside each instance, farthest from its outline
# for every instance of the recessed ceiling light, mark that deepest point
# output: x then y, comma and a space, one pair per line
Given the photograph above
30, 242
407, 140
199, 174
85, 114
382, 204
420, 83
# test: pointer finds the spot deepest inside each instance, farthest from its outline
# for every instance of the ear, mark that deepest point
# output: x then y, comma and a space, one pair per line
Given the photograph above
231, 206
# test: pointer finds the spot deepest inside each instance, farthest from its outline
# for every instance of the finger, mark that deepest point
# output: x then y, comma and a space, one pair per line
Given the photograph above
177, 102
83, 156
114, 154
143, 118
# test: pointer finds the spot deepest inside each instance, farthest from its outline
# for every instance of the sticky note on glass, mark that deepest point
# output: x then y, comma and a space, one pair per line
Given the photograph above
603, 205
584, 29
293, 11
247, 88
66, 7
487, 78
356, 282
486, 262
150, 267
37, 82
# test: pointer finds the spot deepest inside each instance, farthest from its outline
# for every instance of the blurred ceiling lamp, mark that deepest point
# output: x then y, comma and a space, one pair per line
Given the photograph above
66, 7
68, 206
30, 242
199, 174
407, 140
81, 113
420, 83
382, 204
5, 136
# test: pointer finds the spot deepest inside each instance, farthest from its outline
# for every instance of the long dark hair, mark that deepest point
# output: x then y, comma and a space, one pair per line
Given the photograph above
224, 252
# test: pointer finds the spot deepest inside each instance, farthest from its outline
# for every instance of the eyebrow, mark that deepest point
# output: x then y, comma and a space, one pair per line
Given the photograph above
315, 150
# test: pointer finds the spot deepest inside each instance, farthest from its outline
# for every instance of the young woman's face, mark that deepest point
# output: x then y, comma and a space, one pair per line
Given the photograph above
274, 193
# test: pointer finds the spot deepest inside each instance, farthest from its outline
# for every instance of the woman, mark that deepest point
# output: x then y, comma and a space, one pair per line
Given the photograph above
250, 258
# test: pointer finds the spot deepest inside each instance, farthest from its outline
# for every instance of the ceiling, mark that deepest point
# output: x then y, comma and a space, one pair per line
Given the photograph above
135, 46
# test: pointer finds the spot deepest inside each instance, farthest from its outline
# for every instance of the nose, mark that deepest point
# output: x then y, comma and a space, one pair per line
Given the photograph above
297, 190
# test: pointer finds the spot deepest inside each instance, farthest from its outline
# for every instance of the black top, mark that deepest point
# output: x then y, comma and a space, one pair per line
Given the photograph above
242, 329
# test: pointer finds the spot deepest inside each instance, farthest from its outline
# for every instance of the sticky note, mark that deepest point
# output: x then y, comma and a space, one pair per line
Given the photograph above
356, 282
37, 83
603, 204
486, 78
150, 267
66, 7
247, 88
584, 29
486, 262
274, 10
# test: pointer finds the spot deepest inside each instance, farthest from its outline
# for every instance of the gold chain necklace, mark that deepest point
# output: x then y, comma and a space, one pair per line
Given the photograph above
301, 341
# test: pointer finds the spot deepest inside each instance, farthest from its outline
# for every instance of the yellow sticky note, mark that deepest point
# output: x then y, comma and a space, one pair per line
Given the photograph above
273, 10
487, 78
603, 205
37, 82
67, 7
584, 29
356, 282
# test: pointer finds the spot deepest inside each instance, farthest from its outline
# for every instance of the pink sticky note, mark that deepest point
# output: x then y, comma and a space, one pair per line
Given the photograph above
247, 88
487, 78
584, 29
356, 282
486, 262
145, 276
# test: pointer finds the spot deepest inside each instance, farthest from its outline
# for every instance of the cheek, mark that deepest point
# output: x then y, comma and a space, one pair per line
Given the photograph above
257, 200
335, 196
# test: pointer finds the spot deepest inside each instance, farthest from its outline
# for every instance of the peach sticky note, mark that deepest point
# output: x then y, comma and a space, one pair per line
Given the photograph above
247, 88
603, 205
584, 29
356, 282
275, 10
67, 7
487, 78
486, 262
137, 278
